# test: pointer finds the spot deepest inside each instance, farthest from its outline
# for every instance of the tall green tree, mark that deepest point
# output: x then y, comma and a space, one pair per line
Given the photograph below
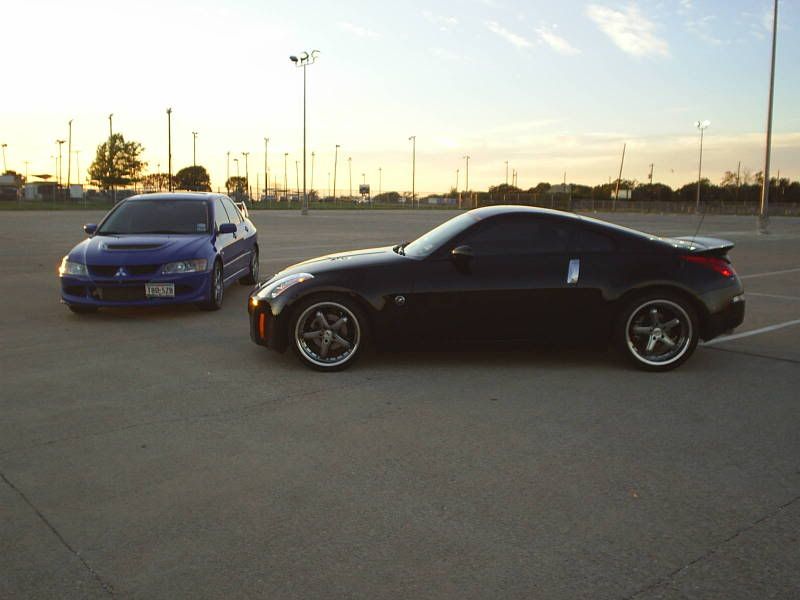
194, 179
117, 162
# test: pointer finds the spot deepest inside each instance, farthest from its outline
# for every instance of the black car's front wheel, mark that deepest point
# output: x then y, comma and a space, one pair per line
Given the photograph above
658, 332
328, 334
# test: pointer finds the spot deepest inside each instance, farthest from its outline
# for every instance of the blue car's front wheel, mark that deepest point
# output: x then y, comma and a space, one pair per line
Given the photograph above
216, 289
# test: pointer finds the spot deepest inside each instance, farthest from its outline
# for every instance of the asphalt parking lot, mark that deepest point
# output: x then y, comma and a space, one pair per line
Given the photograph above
161, 454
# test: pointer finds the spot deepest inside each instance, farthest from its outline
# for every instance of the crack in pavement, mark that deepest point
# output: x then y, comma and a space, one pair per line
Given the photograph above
711, 551
105, 585
236, 411
755, 354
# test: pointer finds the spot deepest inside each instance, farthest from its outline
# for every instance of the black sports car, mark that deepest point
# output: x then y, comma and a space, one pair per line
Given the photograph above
506, 273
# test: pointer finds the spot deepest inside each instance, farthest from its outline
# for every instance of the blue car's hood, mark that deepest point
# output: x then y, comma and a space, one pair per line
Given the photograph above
138, 249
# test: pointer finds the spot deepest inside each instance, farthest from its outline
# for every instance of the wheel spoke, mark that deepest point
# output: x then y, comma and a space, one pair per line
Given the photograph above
312, 335
668, 341
320, 318
654, 315
651, 343
324, 346
641, 330
341, 342
671, 324
338, 324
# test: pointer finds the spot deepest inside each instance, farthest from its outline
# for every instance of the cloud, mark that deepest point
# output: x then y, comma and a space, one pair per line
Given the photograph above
511, 37
445, 54
358, 30
701, 27
629, 29
556, 42
444, 23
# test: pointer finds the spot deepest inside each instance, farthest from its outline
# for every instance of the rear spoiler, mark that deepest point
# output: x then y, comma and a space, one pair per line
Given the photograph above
705, 245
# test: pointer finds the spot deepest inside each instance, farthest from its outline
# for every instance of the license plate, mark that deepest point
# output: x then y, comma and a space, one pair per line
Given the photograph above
159, 290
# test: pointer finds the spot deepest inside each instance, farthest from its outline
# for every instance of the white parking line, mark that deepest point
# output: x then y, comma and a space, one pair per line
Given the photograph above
773, 296
744, 334
769, 273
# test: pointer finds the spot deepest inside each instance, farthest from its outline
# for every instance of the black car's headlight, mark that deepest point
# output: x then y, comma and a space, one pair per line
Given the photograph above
275, 288
69, 267
185, 266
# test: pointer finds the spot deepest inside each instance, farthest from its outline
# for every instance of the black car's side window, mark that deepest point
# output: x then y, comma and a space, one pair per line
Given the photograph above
590, 240
518, 235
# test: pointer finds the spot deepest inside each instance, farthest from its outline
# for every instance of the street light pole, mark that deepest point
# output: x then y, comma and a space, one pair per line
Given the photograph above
111, 156
69, 157
228, 172
335, 165
311, 187
246, 175
266, 167
413, 140
701, 125
297, 176
5, 166
194, 148
304, 60
380, 180
350, 166
763, 213
169, 149
60, 161
285, 178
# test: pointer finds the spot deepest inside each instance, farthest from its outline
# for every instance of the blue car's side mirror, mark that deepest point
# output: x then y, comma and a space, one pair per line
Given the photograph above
90, 228
227, 228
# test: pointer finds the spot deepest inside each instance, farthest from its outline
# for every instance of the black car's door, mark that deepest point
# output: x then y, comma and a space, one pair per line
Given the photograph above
514, 286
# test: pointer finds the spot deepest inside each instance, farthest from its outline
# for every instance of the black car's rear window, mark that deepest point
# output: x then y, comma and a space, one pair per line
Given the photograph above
157, 216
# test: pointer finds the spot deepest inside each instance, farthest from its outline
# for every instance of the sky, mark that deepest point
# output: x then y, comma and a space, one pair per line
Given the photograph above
553, 88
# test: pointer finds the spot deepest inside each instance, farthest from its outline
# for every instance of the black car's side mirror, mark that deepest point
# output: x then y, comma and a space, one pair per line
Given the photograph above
90, 228
227, 228
462, 257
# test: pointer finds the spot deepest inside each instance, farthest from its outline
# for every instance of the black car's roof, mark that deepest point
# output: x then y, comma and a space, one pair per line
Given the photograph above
507, 209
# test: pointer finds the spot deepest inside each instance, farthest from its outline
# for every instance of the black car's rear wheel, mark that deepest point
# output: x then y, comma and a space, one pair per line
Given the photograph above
328, 334
658, 332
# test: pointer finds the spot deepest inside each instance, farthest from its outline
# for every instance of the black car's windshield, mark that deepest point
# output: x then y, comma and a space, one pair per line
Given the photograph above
157, 216
435, 238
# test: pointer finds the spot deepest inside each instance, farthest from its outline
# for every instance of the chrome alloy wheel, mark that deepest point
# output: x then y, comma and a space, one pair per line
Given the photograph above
219, 285
327, 334
659, 332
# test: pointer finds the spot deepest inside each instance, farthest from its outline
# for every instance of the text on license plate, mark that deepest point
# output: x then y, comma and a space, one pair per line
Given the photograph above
159, 290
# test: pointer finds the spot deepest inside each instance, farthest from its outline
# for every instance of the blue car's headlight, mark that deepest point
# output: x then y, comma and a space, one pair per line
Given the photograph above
69, 267
185, 266
277, 287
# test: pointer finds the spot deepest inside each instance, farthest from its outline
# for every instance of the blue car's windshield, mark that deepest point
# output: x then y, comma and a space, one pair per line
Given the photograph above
157, 216
435, 238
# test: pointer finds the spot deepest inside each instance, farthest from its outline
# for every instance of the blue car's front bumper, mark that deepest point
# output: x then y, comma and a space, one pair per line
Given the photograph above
130, 291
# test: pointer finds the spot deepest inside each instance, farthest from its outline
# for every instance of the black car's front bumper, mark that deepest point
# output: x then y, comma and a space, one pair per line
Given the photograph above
267, 329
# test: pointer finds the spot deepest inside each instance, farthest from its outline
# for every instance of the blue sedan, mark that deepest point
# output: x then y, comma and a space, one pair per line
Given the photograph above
157, 249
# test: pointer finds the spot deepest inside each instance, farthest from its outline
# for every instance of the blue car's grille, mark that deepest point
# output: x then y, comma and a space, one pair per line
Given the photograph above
132, 270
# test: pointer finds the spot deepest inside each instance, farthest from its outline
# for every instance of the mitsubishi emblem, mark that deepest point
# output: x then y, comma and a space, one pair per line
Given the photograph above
121, 272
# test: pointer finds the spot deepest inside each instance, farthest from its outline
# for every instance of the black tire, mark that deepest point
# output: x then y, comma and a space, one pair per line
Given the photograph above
353, 331
252, 275
216, 290
82, 309
657, 331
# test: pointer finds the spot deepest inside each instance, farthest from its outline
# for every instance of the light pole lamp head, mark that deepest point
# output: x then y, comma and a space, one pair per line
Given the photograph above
293, 59
169, 111
702, 124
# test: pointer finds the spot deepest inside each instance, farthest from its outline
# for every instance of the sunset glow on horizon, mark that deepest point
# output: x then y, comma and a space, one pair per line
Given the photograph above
552, 88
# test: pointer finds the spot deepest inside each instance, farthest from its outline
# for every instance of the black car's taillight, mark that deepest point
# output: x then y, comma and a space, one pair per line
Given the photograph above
720, 265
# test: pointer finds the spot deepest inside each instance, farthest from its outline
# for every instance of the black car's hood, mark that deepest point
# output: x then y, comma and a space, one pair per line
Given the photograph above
354, 259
